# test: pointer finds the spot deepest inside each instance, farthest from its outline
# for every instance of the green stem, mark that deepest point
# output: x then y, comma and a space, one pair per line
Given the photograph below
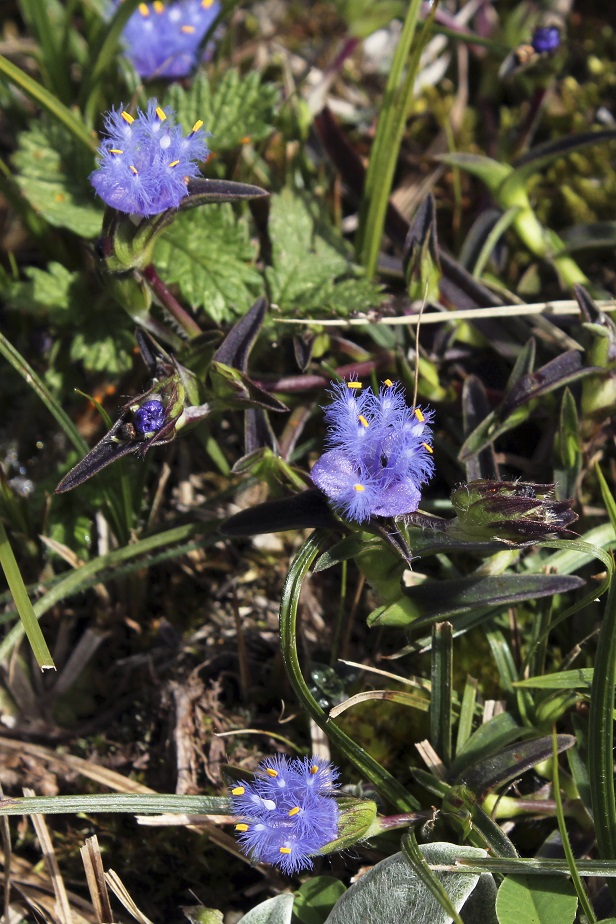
386, 784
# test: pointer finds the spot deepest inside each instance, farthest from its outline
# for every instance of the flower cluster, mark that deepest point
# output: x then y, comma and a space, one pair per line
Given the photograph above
545, 39
288, 812
379, 455
165, 40
145, 161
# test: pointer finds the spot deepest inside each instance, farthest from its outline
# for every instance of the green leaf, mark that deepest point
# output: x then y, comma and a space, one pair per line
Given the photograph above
312, 268
448, 599
579, 679
277, 910
209, 255
237, 107
393, 892
52, 173
315, 898
536, 900
103, 346
490, 171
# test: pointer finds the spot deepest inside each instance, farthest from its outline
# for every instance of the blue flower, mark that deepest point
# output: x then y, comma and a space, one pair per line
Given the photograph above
288, 812
145, 161
165, 40
149, 418
380, 452
545, 39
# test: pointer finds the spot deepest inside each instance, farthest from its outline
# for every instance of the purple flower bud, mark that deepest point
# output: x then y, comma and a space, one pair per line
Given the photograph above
145, 161
164, 40
149, 418
380, 452
545, 39
288, 812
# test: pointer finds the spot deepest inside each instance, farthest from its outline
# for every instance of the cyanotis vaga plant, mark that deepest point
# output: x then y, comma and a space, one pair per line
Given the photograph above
380, 452
288, 813
165, 39
146, 160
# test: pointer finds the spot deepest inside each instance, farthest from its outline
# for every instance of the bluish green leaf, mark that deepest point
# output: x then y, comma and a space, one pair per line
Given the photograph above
277, 910
392, 892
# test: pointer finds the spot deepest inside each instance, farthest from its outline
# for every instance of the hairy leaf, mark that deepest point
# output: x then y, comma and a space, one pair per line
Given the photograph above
208, 254
52, 174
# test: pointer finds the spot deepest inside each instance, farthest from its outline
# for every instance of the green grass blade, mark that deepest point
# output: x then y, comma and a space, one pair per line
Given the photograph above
48, 101
467, 712
389, 133
104, 55
582, 894
38, 386
28, 623
608, 497
601, 736
386, 784
135, 803
92, 572
417, 862
50, 25
440, 702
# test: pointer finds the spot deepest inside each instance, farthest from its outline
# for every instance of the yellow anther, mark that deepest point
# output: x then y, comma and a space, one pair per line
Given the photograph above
173, 163
285, 850
238, 791
198, 124
354, 385
363, 420
271, 772
115, 151
314, 769
134, 170
206, 4
241, 827
187, 29
429, 448
158, 6
143, 9
359, 488
420, 417
127, 117
388, 382
161, 114
294, 811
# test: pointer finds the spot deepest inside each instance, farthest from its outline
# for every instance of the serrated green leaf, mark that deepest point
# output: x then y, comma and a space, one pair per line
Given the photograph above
52, 173
536, 900
103, 347
207, 252
49, 288
311, 267
237, 107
